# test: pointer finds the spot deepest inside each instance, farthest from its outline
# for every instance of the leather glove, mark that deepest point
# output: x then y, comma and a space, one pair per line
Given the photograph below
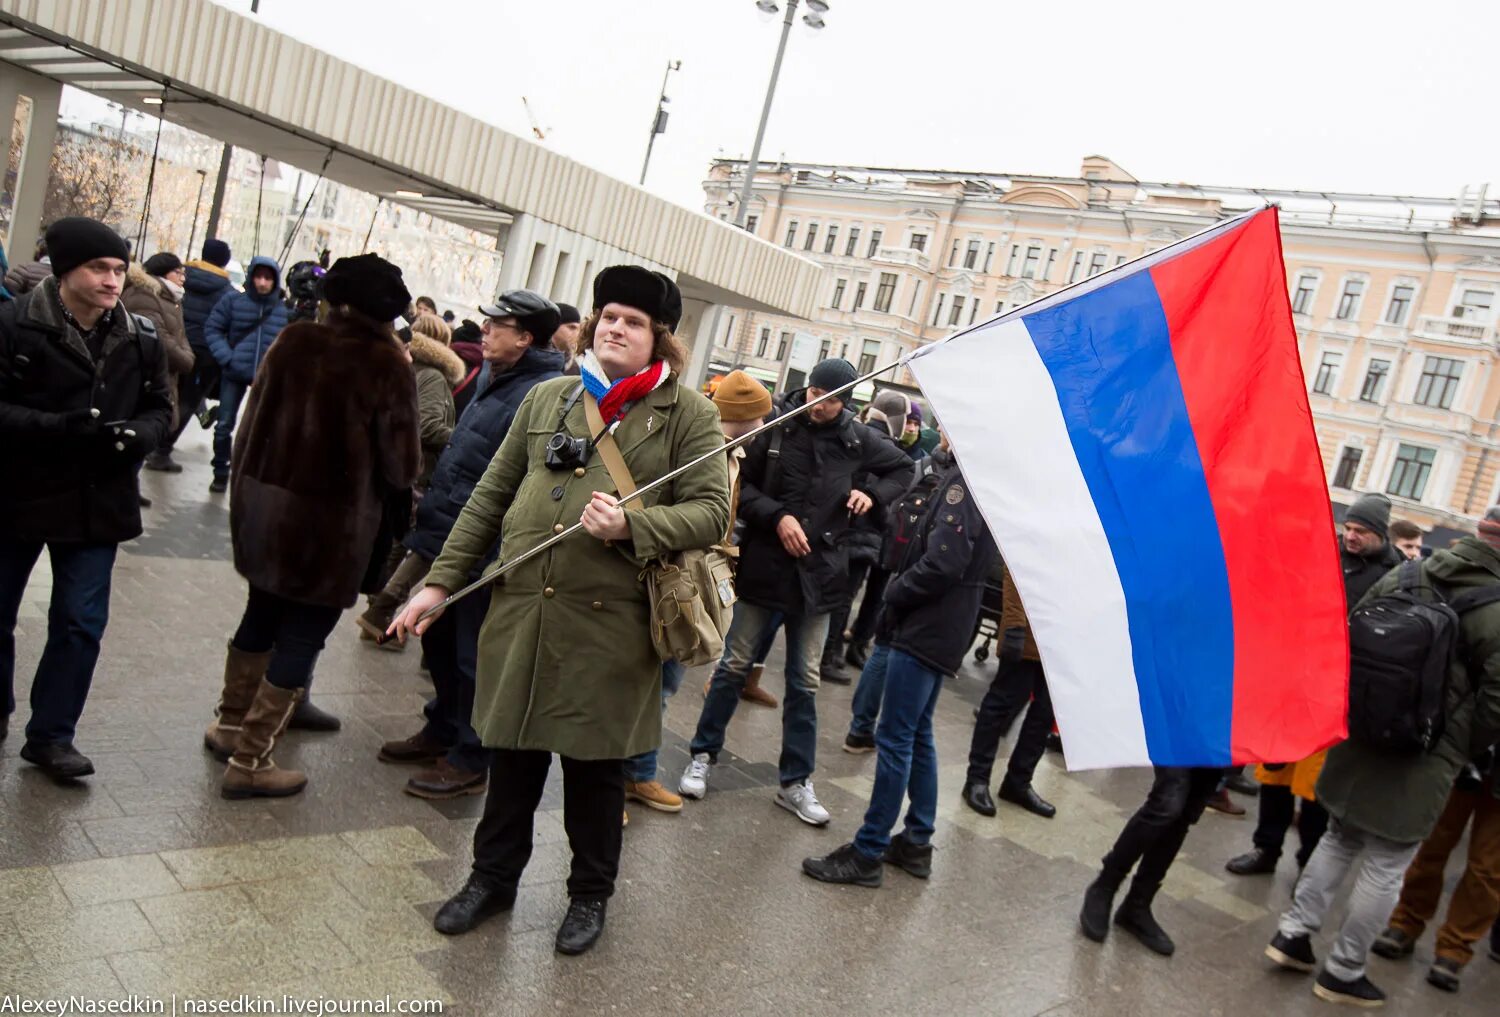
1012, 645
80, 423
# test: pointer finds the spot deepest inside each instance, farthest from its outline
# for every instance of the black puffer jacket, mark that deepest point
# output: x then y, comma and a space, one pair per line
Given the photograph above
59, 484
472, 445
932, 603
1362, 571
203, 285
817, 465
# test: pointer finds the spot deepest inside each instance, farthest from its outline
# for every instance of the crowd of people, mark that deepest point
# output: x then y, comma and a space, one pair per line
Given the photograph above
853, 532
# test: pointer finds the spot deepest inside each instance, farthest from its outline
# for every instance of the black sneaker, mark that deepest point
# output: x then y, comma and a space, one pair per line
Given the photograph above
1445, 974
1393, 944
1360, 992
844, 865
218, 485
858, 744
1295, 953
914, 859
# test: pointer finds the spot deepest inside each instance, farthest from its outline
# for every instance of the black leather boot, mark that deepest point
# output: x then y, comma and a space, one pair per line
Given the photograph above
479, 899
1135, 917
1098, 899
977, 797
581, 927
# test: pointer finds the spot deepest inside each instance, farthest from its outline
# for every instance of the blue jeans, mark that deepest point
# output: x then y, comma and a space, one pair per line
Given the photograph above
231, 394
866, 705
642, 768
451, 646
75, 623
907, 763
743, 644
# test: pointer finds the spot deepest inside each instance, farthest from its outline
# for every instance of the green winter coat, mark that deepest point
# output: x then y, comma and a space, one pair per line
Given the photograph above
1399, 797
566, 663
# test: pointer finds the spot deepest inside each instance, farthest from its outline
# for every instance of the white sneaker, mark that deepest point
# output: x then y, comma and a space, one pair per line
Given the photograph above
694, 782
799, 799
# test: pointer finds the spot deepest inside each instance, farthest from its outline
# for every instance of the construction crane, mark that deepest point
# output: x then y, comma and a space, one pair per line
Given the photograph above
536, 127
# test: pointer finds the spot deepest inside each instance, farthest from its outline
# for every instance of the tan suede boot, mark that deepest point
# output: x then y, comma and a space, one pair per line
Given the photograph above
753, 693
251, 772
242, 674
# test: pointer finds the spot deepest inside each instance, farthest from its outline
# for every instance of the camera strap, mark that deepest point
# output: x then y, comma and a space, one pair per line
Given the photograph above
614, 462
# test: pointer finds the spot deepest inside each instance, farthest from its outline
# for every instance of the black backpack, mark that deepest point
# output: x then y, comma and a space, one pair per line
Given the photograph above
903, 523
1401, 647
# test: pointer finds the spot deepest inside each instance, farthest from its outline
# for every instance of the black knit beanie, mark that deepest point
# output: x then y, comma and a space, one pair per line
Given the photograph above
77, 240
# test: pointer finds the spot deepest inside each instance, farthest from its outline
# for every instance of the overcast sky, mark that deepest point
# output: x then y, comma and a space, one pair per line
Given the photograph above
1359, 95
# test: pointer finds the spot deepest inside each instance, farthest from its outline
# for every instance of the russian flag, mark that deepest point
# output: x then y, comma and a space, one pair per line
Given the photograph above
1142, 448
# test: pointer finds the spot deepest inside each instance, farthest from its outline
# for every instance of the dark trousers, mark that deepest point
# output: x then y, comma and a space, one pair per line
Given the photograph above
1015, 682
76, 617
869, 608
838, 618
1278, 807
1154, 835
192, 388
593, 804
451, 646
292, 633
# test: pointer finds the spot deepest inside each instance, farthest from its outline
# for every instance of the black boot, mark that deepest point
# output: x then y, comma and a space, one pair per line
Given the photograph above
857, 653
1135, 917
977, 797
308, 717
832, 667
479, 899
581, 927
1098, 900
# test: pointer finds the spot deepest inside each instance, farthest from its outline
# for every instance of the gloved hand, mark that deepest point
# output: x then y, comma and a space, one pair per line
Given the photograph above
80, 423
126, 442
1012, 645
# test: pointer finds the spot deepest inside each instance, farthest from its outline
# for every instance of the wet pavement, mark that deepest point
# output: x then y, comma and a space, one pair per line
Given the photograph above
143, 882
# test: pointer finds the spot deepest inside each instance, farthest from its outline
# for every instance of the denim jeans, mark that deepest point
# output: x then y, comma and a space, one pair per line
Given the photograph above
231, 394
799, 709
451, 646
907, 764
76, 617
642, 768
866, 704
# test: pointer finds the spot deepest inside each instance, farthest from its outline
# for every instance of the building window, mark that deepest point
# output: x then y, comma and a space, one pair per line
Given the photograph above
751, 221
764, 343
1474, 305
989, 256
812, 236
875, 236
1033, 258
824, 348
971, 254
1010, 264
953, 254
1348, 308
1374, 386
1439, 382
937, 314
1328, 371
918, 242
791, 234
833, 234
1098, 262
782, 344
973, 310
916, 291
1302, 299
1348, 468
999, 306
1401, 297
838, 293
1047, 269
1077, 268
885, 291
869, 354
1410, 472
859, 296
844, 351
958, 310
853, 239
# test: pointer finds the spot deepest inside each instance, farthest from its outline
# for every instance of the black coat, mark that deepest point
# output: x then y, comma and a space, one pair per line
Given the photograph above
1363, 571
61, 484
472, 445
203, 286
817, 468
932, 603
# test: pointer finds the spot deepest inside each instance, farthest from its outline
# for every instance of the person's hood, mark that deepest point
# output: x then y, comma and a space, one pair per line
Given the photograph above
204, 277
137, 278
472, 354
428, 352
261, 261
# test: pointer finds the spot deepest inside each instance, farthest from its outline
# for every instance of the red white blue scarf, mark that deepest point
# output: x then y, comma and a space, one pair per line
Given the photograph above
613, 396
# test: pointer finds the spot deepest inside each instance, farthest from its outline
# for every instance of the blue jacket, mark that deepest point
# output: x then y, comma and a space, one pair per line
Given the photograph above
242, 325
204, 286
472, 445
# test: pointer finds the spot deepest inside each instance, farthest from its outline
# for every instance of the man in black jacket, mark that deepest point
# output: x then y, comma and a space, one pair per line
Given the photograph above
204, 283
83, 398
797, 499
926, 625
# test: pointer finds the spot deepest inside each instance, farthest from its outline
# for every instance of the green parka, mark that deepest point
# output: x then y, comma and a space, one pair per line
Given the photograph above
566, 663
1399, 797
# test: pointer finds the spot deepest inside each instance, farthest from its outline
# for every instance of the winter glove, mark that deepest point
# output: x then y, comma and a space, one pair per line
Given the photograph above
125, 441
80, 423
1012, 645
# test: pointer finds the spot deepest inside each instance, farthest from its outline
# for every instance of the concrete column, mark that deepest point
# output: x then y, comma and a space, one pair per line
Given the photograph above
516, 256
36, 157
700, 321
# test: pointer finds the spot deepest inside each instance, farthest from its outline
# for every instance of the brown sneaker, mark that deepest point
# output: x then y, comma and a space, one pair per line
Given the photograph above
653, 795
446, 781
417, 749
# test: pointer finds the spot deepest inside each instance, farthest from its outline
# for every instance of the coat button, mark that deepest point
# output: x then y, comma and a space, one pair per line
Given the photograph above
579, 471
558, 528
597, 605
548, 592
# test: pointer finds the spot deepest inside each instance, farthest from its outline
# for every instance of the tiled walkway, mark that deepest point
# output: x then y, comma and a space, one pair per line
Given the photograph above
144, 881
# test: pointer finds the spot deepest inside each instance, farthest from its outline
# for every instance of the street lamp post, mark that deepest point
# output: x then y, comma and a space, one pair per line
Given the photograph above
659, 121
814, 19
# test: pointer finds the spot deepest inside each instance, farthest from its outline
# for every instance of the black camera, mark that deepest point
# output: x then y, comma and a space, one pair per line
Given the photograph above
565, 452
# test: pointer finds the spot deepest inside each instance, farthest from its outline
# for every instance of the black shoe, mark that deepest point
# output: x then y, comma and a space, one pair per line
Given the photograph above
1295, 953
218, 485
162, 462
1028, 799
1393, 944
1360, 992
208, 415
478, 900
307, 717
1054, 741
857, 654
1255, 862
844, 865
144, 501
977, 797
1098, 901
58, 760
1241, 784
1135, 917
1445, 974
858, 744
915, 859
581, 926
832, 670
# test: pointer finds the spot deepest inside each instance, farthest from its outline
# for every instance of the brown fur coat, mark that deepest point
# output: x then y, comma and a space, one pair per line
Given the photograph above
329, 433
